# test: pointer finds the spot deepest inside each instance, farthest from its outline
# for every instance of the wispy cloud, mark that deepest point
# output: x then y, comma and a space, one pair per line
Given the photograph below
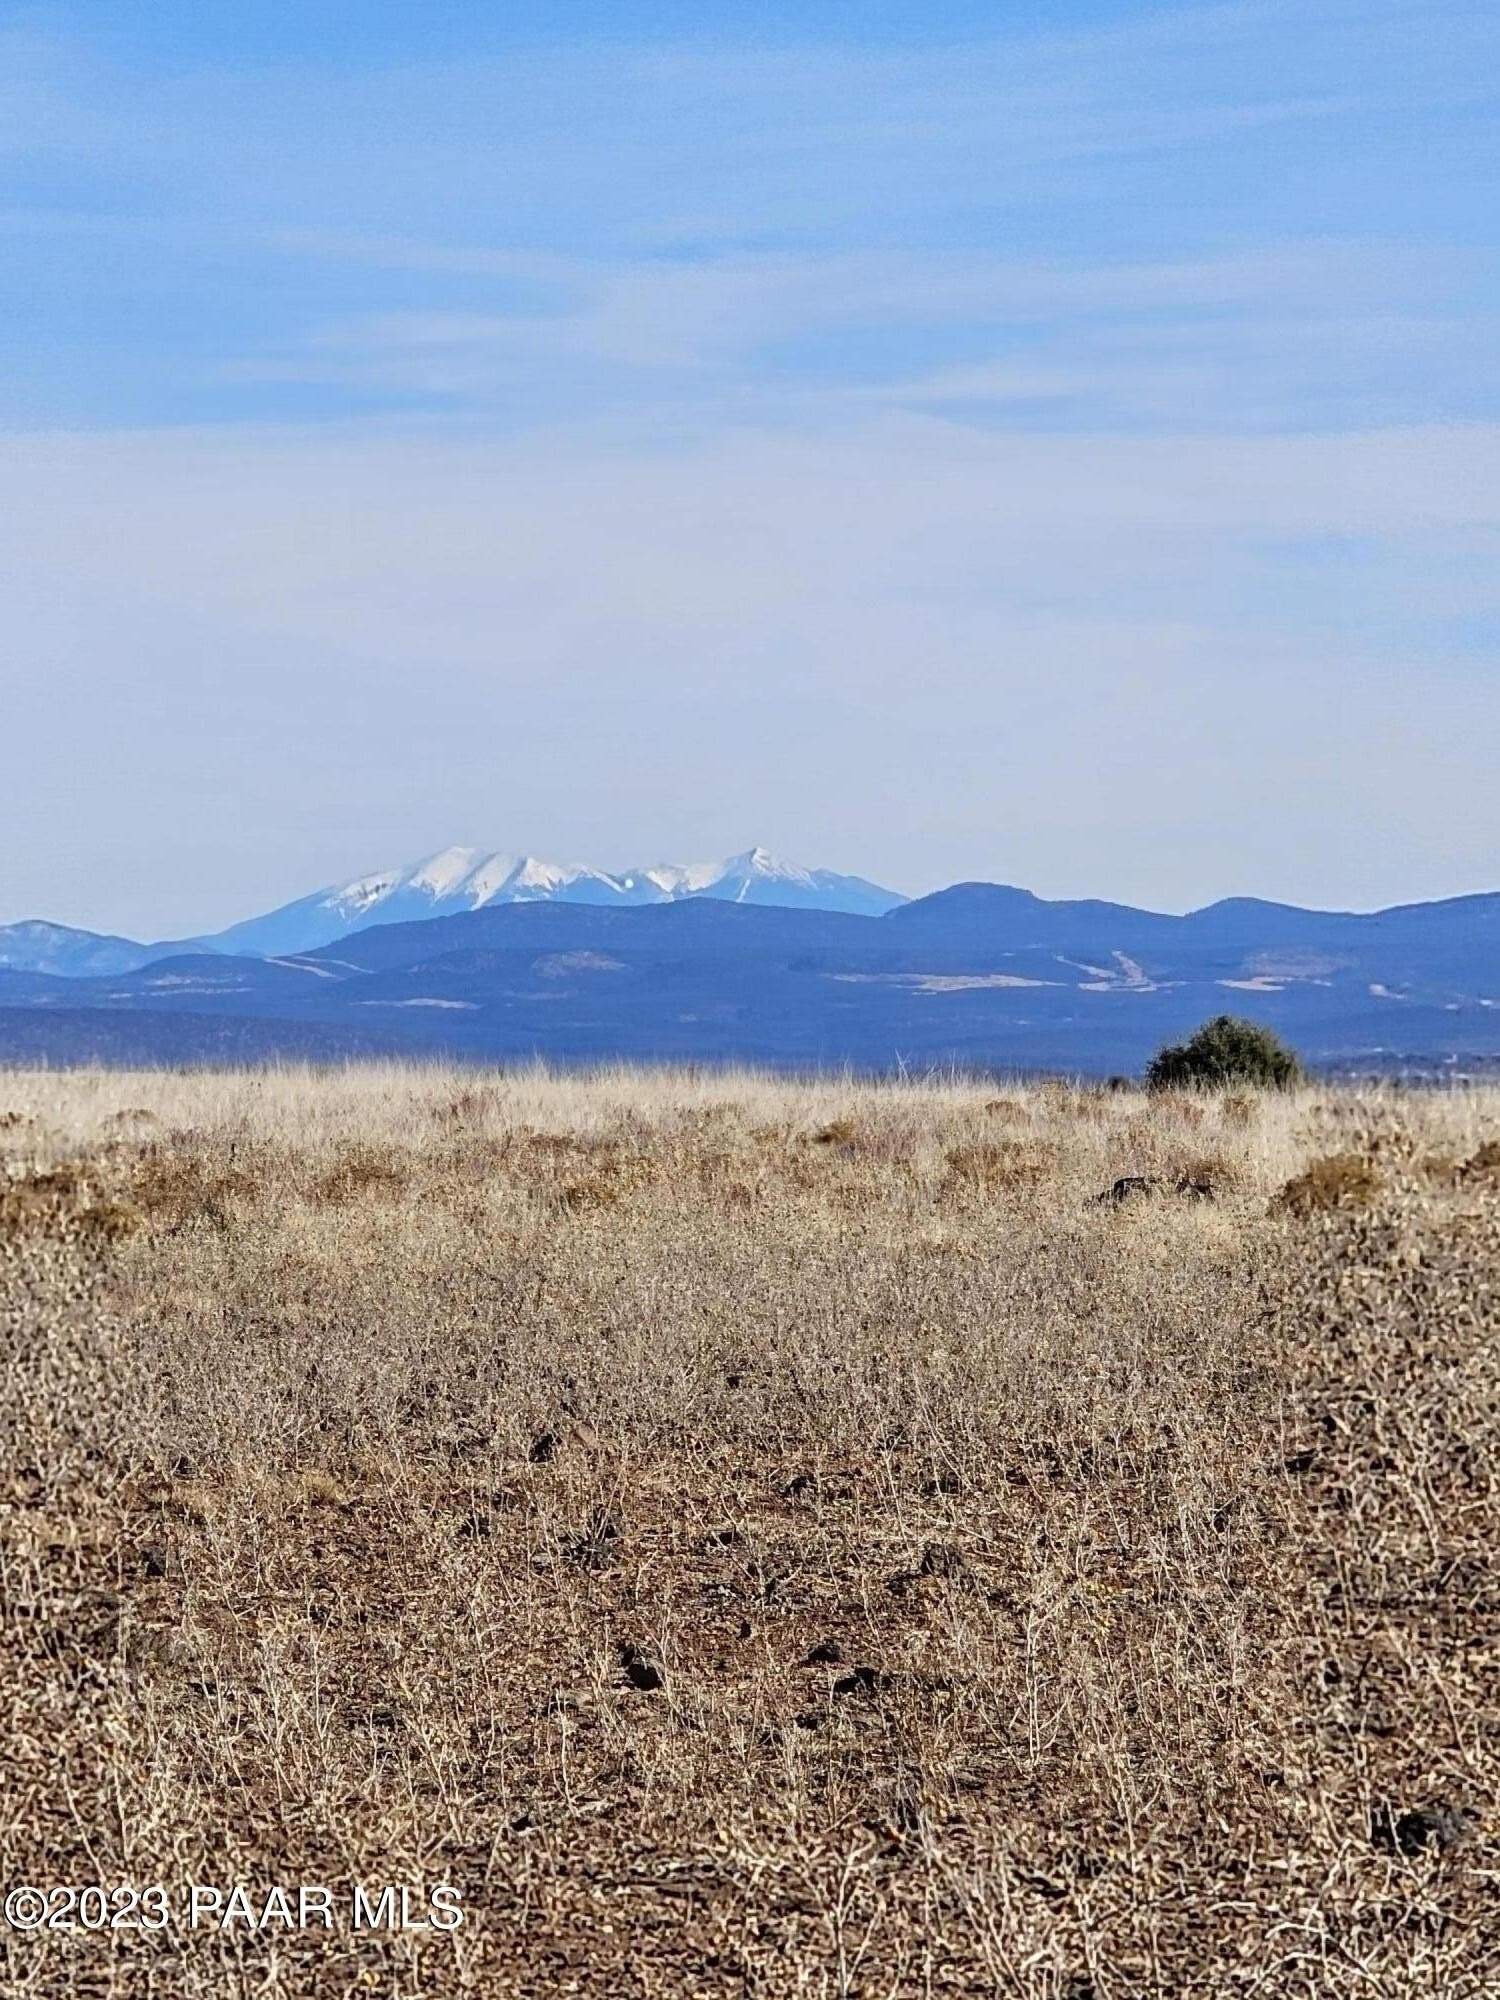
637, 650
1290, 336
608, 444
778, 214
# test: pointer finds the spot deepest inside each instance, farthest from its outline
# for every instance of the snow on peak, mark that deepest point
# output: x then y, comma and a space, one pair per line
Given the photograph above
547, 876
488, 880
357, 897
460, 879
680, 878
478, 878
442, 874
768, 867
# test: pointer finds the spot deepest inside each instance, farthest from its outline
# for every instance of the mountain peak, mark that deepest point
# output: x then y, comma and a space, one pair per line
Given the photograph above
457, 879
761, 861
441, 873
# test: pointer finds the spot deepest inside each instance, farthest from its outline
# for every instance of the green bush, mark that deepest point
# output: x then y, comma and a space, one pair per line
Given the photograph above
1225, 1050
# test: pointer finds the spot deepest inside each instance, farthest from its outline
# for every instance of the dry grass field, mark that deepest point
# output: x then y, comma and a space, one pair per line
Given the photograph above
753, 1538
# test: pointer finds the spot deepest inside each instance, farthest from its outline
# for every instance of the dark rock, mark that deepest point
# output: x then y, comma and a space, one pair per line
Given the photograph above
1438, 1825
864, 1680
1127, 1188
640, 1670
827, 1653
1130, 1187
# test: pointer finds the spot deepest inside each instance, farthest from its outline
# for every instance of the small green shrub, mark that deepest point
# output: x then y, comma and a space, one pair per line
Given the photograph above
1225, 1051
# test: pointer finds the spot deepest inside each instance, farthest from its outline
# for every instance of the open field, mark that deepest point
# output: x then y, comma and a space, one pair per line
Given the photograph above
754, 1538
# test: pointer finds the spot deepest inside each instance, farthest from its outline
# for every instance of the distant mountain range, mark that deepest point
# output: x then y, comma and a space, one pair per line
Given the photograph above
457, 880
462, 879
37, 946
753, 960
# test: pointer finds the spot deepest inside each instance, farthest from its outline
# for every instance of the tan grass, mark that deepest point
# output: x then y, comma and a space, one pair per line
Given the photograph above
1341, 1180
755, 1537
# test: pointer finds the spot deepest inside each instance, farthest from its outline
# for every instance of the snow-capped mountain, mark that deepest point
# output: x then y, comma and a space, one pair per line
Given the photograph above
466, 878
675, 964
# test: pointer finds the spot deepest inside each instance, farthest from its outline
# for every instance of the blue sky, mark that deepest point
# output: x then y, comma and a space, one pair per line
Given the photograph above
1057, 444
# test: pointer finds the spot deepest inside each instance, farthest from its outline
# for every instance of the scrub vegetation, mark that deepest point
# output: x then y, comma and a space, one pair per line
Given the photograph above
754, 1537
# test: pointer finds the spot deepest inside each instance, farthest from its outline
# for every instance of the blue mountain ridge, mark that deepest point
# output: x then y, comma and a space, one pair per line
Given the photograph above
979, 975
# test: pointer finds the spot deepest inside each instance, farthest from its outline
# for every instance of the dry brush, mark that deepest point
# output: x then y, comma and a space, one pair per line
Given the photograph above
755, 1537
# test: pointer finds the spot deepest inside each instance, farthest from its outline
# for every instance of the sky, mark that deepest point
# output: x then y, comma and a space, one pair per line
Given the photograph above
1047, 444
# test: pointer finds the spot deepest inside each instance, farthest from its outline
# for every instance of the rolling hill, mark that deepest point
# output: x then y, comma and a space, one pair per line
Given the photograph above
979, 975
